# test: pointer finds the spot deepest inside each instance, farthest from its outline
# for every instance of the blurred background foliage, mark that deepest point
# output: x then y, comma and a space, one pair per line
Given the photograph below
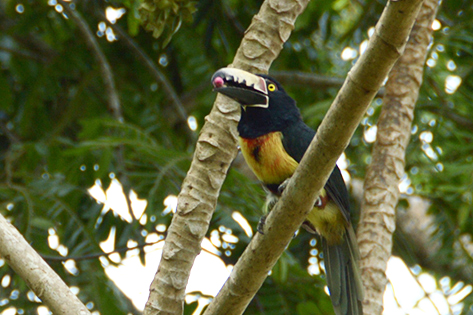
59, 137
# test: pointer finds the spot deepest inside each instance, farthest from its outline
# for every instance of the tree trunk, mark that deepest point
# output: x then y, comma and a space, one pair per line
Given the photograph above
381, 194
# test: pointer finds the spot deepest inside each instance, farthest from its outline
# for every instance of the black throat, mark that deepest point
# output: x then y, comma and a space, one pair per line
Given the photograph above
257, 121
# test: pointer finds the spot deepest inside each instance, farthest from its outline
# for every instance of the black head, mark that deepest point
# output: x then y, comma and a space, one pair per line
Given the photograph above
266, 106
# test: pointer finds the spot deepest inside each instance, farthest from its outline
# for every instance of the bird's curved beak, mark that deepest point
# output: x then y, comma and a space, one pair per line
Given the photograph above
246, 88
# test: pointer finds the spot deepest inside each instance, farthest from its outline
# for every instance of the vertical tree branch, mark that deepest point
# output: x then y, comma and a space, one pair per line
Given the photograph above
45, 283
377, 222
216, 148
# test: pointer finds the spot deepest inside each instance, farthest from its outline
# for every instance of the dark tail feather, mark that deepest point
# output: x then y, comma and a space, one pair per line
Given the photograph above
343, 275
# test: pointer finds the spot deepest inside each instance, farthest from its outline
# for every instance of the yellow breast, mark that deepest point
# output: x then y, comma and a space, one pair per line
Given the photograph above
267, 158
270, 162
328, 222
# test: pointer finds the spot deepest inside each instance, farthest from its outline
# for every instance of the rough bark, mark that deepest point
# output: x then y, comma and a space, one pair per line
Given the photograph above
215, 150
416, 227
333, 135
45, 283
377, 223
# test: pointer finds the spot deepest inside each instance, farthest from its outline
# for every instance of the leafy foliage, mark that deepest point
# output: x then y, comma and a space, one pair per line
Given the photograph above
165, 16
57, 137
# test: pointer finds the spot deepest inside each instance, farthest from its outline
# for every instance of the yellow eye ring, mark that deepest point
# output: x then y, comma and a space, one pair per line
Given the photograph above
271, 87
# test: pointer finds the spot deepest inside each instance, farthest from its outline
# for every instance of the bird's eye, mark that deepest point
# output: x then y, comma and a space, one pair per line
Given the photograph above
271, 87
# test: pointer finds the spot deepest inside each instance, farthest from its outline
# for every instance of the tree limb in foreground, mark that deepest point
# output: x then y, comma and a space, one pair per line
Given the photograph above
381, 192
333, 136
44, 282
215, 150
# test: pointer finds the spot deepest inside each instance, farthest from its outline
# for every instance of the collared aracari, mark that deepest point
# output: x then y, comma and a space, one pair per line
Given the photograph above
273, 139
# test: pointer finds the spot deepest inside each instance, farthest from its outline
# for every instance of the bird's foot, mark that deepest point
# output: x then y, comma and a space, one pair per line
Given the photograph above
271, 200
283, 186
260, 227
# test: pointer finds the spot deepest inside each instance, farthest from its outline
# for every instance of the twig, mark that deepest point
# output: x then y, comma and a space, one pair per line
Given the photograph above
125, 182
97, 255
155, 72
394, 294
307, 79
107, 75
11, 135
460, 120
232, 17
23, 53
425, 293
311, 80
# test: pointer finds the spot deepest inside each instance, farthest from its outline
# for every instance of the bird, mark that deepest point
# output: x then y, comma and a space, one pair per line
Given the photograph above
273, 139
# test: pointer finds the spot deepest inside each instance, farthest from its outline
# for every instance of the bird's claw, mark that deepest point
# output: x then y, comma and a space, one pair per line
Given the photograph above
283, 186
261, 223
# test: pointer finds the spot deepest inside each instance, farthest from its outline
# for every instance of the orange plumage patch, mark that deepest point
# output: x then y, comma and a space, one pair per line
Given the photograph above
267, 158
271, 163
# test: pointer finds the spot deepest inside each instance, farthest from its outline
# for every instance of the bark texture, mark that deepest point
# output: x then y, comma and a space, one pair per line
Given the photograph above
333, 135
215, 150
381, 192
45, 283
416, 227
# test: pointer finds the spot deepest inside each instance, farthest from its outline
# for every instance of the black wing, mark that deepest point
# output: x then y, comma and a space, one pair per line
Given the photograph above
296, 140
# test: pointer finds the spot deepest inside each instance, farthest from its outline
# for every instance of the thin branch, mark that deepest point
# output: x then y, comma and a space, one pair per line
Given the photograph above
125, 182
427, 295
394, 295
311, 80
24, 54
305, 79
232, 18
106, 70
155, 72
97, 255
113, 99
443, 110
10, 134
45, 283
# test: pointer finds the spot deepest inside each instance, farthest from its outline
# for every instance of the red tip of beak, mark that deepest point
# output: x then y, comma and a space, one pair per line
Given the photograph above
218, 82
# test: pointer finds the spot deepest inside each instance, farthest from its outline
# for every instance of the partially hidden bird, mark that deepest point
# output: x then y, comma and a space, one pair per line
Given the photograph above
273, 138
